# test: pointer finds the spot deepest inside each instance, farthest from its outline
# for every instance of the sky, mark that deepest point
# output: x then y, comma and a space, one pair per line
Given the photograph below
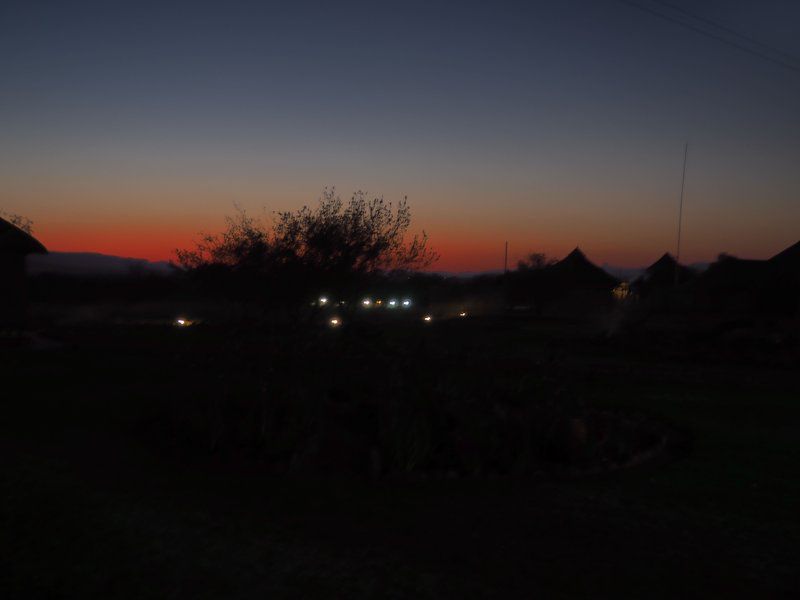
129, 128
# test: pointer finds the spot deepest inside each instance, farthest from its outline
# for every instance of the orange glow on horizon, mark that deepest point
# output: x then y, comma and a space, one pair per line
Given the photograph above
459, 249
154, 244
456, 253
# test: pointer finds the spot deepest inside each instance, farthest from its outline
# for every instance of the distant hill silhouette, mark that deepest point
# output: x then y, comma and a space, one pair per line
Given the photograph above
91, 264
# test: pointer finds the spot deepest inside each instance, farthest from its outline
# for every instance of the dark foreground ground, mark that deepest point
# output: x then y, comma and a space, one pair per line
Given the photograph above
92, 506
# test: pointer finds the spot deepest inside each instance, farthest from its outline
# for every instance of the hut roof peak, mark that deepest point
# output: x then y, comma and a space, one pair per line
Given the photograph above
790, 254
14, 240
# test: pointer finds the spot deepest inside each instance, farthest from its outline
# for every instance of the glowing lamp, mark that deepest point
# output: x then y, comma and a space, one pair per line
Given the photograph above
323, 300
335, 322
462, 314
427, 318
366, 302
392, 303
406, 303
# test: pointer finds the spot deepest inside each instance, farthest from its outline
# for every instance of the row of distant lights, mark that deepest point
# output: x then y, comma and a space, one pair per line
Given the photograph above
368, 303
337, 322
334, 322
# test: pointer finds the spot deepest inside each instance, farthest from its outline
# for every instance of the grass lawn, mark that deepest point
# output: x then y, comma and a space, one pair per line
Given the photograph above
91, 507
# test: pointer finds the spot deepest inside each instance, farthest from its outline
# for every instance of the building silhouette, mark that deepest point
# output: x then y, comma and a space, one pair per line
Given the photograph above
15, 245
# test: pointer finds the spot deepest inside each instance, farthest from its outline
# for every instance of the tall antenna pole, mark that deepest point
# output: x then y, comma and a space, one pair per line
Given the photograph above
505, 260
680, 214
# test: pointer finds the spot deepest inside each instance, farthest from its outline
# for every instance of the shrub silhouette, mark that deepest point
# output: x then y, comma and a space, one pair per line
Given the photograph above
332, 247
534, 261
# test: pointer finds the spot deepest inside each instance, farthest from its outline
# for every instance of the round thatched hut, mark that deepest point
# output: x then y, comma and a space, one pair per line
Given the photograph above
15, 245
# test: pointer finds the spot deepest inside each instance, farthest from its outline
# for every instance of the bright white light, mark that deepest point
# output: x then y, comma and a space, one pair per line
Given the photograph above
335, 322
406, 303
462, 314
366, 302
392, 303
427, 318
323, 300
181, 322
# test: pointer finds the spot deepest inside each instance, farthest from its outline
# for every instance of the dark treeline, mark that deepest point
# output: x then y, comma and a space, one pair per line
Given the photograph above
570, 286
346, 251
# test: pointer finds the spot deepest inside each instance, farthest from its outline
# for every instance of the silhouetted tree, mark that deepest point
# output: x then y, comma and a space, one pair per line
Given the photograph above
534, 261
333, 244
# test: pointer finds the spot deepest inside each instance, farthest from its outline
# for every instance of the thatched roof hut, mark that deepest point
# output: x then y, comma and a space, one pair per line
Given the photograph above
14, 240
578, 272
666, 271
789, 258
15, 245
573, 285
660, 281
769, 286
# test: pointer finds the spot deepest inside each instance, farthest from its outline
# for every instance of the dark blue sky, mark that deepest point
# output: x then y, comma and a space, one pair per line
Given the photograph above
549, 124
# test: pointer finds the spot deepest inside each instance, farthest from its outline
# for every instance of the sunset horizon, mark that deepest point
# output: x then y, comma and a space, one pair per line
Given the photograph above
461, 252
129, 131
